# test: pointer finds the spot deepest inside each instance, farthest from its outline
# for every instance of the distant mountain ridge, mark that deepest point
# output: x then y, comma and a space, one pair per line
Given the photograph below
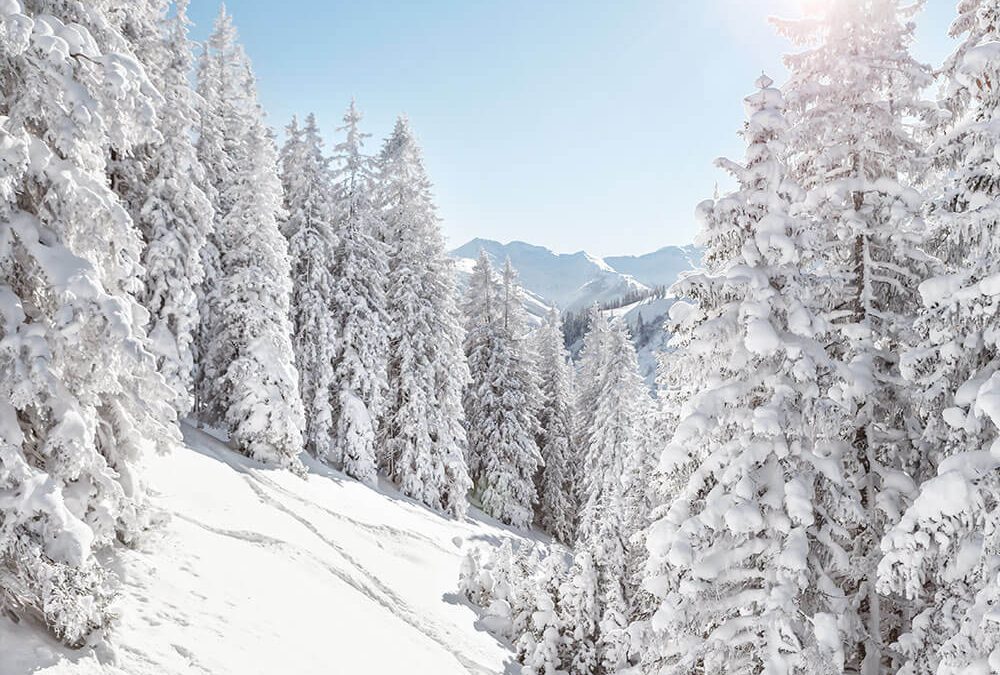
659, 268
574, 281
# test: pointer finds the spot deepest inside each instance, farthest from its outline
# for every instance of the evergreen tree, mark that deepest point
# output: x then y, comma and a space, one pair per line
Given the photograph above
852, 149
174, 214
541, 646
580, 612
591, 365
311, 242
616, 437
361, 267
744, 541
557, 486
422, 435
942, 552
81, 399
500, 400
482, 309
250, 376
220, 74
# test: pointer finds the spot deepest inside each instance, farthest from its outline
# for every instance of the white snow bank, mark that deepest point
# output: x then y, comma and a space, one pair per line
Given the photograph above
258, 571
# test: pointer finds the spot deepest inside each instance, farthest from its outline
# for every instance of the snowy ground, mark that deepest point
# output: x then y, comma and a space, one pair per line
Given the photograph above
258, 571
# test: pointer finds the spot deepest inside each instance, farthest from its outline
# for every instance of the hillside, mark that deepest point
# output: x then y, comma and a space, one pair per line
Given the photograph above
258, 571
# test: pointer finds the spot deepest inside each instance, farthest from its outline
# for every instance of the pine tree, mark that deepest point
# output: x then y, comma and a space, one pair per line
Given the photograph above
481, 307
615, 437
361, 267
852, 149
580, 614
591, 365
174, 214
542, 645
220, 73
745, 539
422, 435
557, 487
81, 399
501, 398
250, 377
941, 553
311, 242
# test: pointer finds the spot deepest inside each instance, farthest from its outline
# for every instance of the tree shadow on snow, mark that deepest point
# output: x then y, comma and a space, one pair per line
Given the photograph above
36, 650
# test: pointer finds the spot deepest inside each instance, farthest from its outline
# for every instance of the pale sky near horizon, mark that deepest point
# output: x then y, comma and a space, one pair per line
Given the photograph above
572, 124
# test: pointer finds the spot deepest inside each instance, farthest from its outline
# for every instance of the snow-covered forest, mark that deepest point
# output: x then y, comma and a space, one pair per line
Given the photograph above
193, 303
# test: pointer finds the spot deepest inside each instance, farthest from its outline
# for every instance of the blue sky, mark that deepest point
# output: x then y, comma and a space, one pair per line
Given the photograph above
573, 124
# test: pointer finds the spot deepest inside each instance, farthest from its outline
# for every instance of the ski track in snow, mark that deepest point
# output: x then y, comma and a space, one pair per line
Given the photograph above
362, 581
224, 454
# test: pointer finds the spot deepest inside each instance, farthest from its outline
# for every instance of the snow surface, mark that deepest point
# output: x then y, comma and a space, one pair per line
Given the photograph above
258, 571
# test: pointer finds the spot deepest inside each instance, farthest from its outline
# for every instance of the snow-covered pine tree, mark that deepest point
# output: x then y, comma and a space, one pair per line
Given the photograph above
308, 228
359, 302
481, 307
615, 437
542, 646
423, 436
81, 399
557, 486
942, 554
591, 365
219, 137
250, 376
580, 613
853, 149
501, 398
736, 558
174, 214
519, 325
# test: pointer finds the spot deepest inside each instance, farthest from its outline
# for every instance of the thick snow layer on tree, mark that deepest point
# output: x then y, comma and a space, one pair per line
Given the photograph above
259, 571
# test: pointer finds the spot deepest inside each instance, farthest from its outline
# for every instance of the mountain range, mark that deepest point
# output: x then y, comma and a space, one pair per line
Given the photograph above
574, 281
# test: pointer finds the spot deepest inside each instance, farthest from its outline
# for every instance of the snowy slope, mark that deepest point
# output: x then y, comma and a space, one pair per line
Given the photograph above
258, 571
567, 281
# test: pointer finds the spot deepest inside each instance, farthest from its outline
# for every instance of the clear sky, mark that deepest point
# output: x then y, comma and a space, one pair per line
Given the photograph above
572, 124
